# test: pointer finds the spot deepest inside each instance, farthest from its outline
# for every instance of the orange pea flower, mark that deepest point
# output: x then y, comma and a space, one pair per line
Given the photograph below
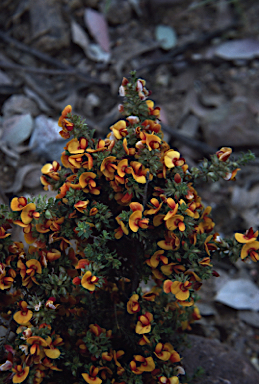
89, 281
224, 153
81, 205
179, 289
175, 357
151, 125
24, 315
135, 219
119, 129
20, 373
153, 111
144, 323
119, 232
76, 146
87, 182
108, 168
162, 353
176, 222
205, 262
52, 351
210, 246
3, 233
18, 203
231, 175
66, 125
142, 364
29, 213
154, 207
152, 141
248, 237
53, 255
172, 267
250, 249
123, 168
129, 151
174, 207
91, 377
133, 305
170, 380
156, 257
37, 343
5, 281
63, 190
171, 242
139, 172
51, 170
171, 158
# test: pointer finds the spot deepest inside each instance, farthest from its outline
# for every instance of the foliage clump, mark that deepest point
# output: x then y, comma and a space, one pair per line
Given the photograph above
106, 282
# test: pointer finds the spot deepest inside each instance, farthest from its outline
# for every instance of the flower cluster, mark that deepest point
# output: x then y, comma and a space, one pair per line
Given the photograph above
106, 283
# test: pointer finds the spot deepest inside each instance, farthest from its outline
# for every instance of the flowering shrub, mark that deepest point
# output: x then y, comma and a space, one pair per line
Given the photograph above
106, 285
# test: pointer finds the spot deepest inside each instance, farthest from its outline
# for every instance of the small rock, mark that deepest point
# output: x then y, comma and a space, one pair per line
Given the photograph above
91, 101
239, 294
166, 36
190, 126
45, 139
49, 30
19, 104
222, 365
246, 49
249, 317
17, 129
117, 11
231, 124
4, 79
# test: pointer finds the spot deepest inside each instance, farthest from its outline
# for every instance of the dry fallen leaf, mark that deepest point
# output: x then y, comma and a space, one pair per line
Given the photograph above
98, 28
79, 36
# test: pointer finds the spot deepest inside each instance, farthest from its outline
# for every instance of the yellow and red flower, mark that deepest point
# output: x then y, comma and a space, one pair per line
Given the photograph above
123, 168
91, 377
21, 373
178, 288
171, 242
172, 159
224, 153
135, 219
161, 352
133, 305
66, 125
24, 315
176, 221
154, 207
139, 172
156, 258
144, 323
51, 170
142, 364
108, 167
170, 380
52, 351
3, 233
174, 208
119, 129
89, 281
248, 237
250, 250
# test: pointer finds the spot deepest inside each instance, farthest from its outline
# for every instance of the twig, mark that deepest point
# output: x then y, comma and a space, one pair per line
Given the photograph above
192, 45
48, 100
204, 148
48, 59
145, 190
40, 71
